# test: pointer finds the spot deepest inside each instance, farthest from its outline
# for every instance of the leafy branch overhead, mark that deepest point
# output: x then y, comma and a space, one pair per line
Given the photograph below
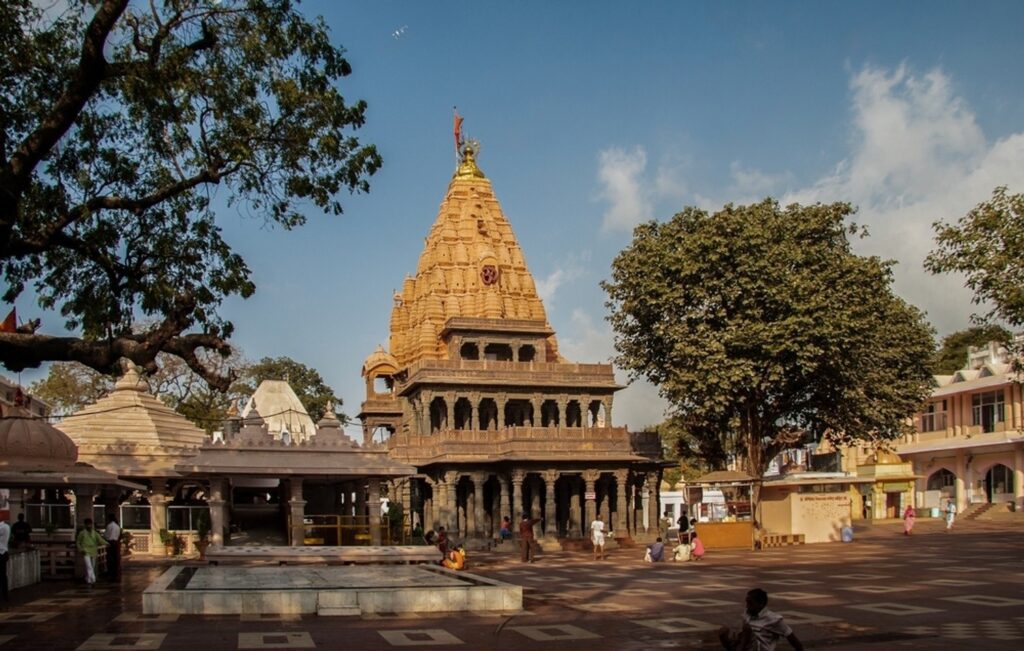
121, 122
761, 327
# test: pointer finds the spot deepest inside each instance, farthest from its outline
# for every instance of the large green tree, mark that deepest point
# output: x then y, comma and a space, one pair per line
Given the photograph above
119, 123
952, 353
987, 246
761, 326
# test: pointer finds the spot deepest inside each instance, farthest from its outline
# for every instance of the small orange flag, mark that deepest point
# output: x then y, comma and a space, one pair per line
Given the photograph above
10, 324
458, 131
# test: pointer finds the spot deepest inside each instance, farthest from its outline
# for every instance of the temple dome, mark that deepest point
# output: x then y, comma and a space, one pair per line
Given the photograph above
380, 358
471, 266
29, 441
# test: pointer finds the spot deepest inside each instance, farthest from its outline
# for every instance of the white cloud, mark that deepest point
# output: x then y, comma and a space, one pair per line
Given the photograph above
636, 406
621, 176
569, 270
917, 156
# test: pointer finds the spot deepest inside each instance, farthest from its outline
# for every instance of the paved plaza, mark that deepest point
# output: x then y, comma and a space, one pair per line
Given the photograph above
933, 590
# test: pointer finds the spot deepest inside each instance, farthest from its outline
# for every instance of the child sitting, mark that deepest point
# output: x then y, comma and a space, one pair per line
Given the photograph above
697, 549
456, 559
681, 552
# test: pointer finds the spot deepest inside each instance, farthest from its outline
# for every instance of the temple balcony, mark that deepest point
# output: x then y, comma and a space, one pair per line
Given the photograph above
512, 374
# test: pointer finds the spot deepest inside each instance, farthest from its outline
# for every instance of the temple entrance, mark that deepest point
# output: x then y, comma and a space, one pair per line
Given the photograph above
258, 516
999, 484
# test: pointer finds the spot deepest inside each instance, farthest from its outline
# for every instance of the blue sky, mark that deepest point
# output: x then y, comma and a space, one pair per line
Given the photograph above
595, 116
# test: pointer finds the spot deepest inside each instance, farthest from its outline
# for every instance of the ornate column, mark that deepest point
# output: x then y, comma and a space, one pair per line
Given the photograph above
374, 504
158, 499
504, 507
296, 513
218, 511
84, 499
426, 397
607, 411
474, 410
563, 412
652, 501
501, 400
517, 494
445, 518
574, 495
478, 503
590, 491
537, 400
550, 522
621, 477
429, 515
585, 411
449, 401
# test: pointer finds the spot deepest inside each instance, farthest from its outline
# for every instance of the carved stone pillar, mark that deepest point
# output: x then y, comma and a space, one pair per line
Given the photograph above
449, 401
652, 501
447, 511
550, 522
296, 513
501, 400
607, 411
621, 477
478, 504
474, 410
590, 490
158, 498
374, 500
218, 511
575, 516
537, 400
429, 512
426, 397
517, 494
563, 412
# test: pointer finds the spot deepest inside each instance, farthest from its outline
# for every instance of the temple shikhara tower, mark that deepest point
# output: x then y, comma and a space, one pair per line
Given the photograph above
475, 394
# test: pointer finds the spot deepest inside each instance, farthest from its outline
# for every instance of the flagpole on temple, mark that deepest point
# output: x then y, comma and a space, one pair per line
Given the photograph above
457, 132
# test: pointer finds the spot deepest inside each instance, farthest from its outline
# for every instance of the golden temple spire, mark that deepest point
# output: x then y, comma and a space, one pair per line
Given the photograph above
467, 162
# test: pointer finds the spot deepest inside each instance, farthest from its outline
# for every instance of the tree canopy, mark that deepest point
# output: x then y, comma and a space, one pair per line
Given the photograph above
952, 353
987, 246
119, 125
761, 327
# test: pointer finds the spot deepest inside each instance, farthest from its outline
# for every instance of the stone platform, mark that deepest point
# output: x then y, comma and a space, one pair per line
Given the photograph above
341, 590
324, 555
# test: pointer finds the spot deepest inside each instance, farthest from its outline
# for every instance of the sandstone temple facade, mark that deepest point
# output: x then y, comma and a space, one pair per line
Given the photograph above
475, 395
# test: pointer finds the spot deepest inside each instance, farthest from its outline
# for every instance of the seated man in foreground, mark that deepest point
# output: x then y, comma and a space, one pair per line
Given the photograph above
761, 628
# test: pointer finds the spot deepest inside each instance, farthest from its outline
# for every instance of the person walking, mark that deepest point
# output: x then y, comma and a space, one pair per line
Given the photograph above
526, 537
908, 520
950, 514
5, 540
112, 534
597, 537
88, 543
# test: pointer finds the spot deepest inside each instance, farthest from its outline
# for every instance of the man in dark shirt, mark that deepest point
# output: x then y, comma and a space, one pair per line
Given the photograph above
526, 537
21, 532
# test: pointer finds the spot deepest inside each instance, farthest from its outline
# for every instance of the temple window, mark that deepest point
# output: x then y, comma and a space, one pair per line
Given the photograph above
463, 414
518, 413
469, 350
987, 409
438, 415
488, 413
573, 414
933, 418
383, 384
498, 353
527, 353
549, 414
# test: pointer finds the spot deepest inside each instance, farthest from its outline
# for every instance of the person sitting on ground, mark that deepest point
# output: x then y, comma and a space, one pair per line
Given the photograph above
506, 529
657, 550
681, 552
696, 548
761, 628
456, 559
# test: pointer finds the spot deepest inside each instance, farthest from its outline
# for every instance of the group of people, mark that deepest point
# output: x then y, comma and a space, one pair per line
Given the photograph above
89, 541
909, 516
453, 557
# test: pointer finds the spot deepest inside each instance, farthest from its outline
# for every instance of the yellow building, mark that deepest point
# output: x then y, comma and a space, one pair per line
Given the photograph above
968, 445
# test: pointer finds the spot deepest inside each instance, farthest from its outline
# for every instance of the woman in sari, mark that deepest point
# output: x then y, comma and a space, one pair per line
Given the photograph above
908, 520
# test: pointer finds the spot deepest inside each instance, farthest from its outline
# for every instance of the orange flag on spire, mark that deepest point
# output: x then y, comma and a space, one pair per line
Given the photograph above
458, 131
10, 324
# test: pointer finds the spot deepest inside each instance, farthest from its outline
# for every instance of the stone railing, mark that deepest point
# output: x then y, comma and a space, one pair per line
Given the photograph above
540, 442
489, 371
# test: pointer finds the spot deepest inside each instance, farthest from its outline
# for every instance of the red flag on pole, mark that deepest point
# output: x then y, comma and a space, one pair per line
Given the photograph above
10, 324
458, 131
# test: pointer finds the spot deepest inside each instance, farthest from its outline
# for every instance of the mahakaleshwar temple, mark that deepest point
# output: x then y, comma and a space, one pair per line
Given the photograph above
471, 416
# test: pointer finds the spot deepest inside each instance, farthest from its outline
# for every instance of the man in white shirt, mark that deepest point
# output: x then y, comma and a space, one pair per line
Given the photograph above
112, 534
761, 629
5, 540
597, 537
